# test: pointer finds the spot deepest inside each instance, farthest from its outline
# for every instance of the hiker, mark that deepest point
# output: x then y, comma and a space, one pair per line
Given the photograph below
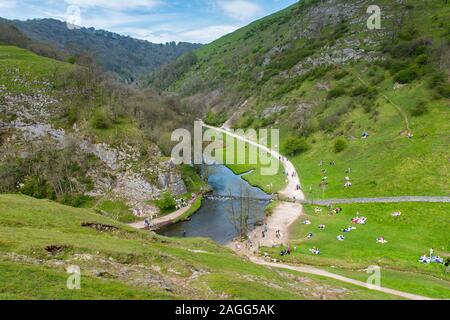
263, 234
289, 250
277, 234
266, 228
184, 233
146, 223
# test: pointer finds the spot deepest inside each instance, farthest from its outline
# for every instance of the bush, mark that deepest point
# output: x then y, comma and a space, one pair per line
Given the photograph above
335, 93
216, 119
406, 76
295, 145
37, 188
330, 123
340, 145
166, 202
340, 74
420, 109
101, 122
444, 90
358, 91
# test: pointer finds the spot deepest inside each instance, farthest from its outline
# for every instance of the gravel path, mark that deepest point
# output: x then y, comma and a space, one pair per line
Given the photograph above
160, 222
319, 272
290, 192
425, 199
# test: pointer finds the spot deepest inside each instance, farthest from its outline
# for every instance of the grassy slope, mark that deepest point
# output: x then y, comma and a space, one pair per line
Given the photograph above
421, 227
28, 225
386, 164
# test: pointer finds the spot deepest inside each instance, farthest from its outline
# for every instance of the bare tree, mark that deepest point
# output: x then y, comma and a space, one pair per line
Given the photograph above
241, 212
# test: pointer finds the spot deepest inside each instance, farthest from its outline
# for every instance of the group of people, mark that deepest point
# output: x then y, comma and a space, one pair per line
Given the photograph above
138, 212
431, 258
181, 203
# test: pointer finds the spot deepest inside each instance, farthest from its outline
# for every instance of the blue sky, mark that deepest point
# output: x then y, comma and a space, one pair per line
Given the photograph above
154, 20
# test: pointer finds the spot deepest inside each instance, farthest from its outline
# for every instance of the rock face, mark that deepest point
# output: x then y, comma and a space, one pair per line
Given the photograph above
172, 182
120, 171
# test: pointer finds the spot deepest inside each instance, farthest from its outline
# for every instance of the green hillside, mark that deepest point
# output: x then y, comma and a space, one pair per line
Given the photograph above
316, 72
419, 228
125, 58
42, 238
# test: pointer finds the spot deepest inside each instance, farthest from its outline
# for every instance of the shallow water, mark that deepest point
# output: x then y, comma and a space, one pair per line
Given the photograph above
213, 218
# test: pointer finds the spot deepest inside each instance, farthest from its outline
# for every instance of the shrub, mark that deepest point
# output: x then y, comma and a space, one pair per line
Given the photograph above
101, 122
166, 202
340, 74
335, 93
216, 119
358, 91
295, 145
444, 90
340, 145
37, 188
330, 123
406, 76
420, 109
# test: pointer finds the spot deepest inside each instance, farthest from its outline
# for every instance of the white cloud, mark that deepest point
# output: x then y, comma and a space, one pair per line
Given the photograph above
240, 9
115, 4
172, 33
7, 4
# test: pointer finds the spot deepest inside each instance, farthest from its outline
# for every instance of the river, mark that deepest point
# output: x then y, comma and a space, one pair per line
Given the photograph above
213, 218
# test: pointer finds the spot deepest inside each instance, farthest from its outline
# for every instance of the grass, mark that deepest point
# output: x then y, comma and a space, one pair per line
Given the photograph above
21, 281
254, 64
421, 227
194, 183
28, 226
254, 174
387, 163
116, 210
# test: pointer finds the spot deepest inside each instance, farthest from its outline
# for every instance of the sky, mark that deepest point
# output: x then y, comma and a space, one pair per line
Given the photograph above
159, 21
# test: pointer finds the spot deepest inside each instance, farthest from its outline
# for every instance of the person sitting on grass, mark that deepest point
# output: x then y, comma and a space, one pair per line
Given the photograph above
340, 238
315, 251
322, 227
381, 240
309, 236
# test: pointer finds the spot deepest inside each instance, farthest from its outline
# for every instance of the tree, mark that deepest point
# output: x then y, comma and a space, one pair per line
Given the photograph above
241, 212
166, 202
340, 145
295, 145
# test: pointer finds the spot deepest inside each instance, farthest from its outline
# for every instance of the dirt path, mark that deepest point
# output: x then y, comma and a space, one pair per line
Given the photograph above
159, 222
422, 199
290, 192
319, 272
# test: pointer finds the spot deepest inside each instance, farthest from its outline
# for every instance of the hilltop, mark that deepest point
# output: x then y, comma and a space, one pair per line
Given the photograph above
124, 57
